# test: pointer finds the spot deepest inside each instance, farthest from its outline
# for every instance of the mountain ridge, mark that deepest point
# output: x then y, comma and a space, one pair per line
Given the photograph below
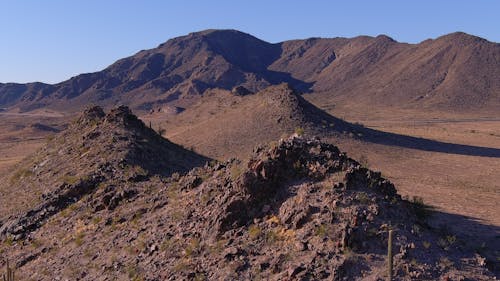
456, 71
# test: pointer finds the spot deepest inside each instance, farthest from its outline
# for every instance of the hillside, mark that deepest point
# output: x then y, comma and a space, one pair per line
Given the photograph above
299, 209
455, 72
97, 147
223, 124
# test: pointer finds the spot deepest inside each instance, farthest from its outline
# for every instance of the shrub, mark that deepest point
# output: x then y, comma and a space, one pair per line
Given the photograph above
299, 131
79, 239
70, 179
321, 230
193, 248
161, 131
254, 231
363, 161
362, 198
235, 172
422, 211
20, 174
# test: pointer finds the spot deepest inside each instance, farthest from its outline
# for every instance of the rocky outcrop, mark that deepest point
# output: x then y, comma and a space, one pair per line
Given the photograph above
299, 209
97, 149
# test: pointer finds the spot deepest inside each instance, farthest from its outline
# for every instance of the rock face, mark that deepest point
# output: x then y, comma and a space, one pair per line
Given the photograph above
299, 209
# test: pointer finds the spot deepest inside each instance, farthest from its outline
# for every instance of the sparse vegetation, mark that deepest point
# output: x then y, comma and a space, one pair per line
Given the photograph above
9, 241
161, 131
193, 247
363, 161
321, 230
79, 239
235, 172
9, 273
363, 197
20, 174
421, 210
446, 242
233, 226
254, 231
69, 179
133, 273
299, 131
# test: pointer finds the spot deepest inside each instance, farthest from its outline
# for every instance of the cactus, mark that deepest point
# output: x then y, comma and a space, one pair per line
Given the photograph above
389, 255
9, 272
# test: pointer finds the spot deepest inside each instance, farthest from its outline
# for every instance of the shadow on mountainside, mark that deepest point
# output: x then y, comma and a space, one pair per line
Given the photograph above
393, 139
469, 234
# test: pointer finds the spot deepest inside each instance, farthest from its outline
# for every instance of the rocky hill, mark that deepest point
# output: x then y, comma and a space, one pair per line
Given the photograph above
97, 147
223, 124
453, 72
127, 208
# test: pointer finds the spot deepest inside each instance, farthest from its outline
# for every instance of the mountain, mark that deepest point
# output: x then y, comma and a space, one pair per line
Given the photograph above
298, 209
453, 72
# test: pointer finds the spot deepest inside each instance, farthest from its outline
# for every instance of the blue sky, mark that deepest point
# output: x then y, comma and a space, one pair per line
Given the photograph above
53, 40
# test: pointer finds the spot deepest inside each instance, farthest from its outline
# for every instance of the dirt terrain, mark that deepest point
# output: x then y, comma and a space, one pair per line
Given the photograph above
23, 134
297, 209
464, 189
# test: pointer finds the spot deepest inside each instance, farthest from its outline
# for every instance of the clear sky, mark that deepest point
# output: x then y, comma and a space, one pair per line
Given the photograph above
53, 40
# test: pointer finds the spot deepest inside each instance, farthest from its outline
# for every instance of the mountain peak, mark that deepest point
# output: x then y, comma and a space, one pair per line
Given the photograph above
363, 68
462, 37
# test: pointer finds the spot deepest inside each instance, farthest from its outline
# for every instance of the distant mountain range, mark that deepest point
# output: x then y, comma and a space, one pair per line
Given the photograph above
453, 72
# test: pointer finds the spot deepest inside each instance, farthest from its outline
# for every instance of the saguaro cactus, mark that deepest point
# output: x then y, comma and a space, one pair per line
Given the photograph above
389, 255
9, 272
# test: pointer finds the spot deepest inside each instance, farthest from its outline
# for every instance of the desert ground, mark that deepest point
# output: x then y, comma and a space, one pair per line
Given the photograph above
20, 136
464, 190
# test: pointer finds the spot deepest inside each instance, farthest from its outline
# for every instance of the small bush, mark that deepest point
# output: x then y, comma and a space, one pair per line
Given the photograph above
422, 211
70, 179
79, 239
161, 131
254, 231
299, 131
96, 220
20, 174
362, 198
9, 241
363, 161
193, 248
321, 230
235, 172
271, 237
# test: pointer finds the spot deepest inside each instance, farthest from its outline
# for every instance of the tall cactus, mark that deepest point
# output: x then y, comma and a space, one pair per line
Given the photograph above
9, 272
389, 255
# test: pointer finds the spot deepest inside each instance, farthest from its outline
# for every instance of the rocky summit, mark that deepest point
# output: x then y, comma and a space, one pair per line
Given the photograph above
138, 207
